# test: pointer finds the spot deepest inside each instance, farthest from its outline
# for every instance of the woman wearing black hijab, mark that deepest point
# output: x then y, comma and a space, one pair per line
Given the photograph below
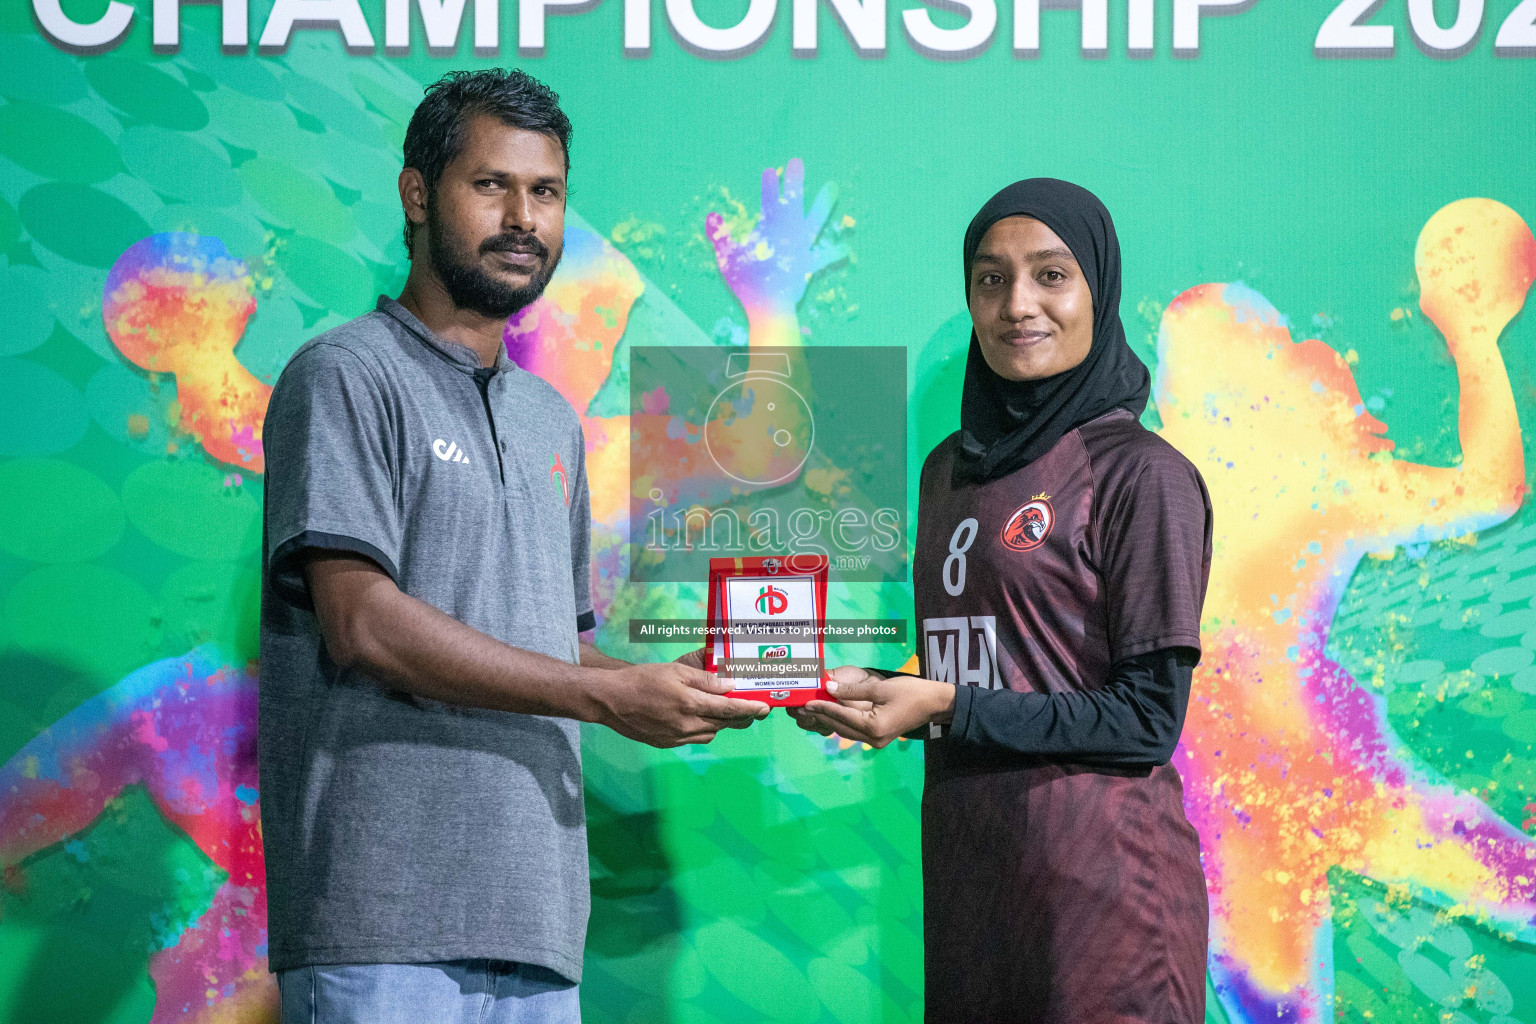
1062, 557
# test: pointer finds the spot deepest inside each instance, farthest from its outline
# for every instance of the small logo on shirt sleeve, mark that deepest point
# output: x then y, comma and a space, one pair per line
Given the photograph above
1028, 527
449, 451
557, 476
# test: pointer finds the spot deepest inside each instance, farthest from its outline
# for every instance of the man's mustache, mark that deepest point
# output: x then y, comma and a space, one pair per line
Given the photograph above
514, 242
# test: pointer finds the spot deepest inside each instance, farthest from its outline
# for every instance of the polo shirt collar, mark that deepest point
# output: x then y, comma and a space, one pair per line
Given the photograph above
461, 357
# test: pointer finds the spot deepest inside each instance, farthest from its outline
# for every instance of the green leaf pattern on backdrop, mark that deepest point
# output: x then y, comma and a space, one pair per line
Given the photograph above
1448, 638
114, 894
120, 543
769, 877
1407, 959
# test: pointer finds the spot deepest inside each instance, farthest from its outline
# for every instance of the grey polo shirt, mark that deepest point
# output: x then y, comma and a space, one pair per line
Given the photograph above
400, 829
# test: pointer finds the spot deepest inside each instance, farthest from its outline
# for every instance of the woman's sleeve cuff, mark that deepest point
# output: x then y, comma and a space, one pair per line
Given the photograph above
960, 721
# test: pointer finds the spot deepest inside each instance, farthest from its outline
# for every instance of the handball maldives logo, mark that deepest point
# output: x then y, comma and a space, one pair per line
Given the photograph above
772, 601
1027, 528
557, 473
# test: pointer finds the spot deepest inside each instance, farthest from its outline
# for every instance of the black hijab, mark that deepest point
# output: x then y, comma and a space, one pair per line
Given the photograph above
1007, 424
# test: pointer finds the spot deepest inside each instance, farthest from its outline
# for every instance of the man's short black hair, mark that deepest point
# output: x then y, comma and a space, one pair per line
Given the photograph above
436, 132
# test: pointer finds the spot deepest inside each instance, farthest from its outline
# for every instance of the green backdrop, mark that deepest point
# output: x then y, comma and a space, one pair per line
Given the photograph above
1359, 758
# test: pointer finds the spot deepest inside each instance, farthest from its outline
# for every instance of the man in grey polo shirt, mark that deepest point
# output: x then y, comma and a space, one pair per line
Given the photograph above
424, 583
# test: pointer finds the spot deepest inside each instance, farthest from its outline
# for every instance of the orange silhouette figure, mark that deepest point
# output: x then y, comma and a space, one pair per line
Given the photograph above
1289, 768
178, 303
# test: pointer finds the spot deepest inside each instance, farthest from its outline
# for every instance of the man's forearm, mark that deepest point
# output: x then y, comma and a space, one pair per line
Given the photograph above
591, 657
375, 628
370, 626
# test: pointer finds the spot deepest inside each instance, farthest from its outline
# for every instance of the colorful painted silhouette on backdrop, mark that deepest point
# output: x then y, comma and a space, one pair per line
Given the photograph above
1289, 767
178, 303
185, 730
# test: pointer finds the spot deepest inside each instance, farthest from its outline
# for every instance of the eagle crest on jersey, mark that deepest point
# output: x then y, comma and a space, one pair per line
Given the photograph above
1028, 527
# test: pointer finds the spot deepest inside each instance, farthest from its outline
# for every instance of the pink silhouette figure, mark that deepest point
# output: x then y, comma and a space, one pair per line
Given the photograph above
185, 729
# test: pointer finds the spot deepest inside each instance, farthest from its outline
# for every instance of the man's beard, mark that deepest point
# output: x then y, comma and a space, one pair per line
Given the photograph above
472, 288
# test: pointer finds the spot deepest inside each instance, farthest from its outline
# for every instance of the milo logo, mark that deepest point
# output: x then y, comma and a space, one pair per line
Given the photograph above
774, 651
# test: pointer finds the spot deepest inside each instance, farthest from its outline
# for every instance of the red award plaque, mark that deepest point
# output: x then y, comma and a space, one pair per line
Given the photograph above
765, 623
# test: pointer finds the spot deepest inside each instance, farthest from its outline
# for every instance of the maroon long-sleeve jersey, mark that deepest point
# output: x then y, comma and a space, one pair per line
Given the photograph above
1056, 891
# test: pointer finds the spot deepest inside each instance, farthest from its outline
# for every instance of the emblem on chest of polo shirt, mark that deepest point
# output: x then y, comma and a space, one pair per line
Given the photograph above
1027, 528
449, 451
557, 476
